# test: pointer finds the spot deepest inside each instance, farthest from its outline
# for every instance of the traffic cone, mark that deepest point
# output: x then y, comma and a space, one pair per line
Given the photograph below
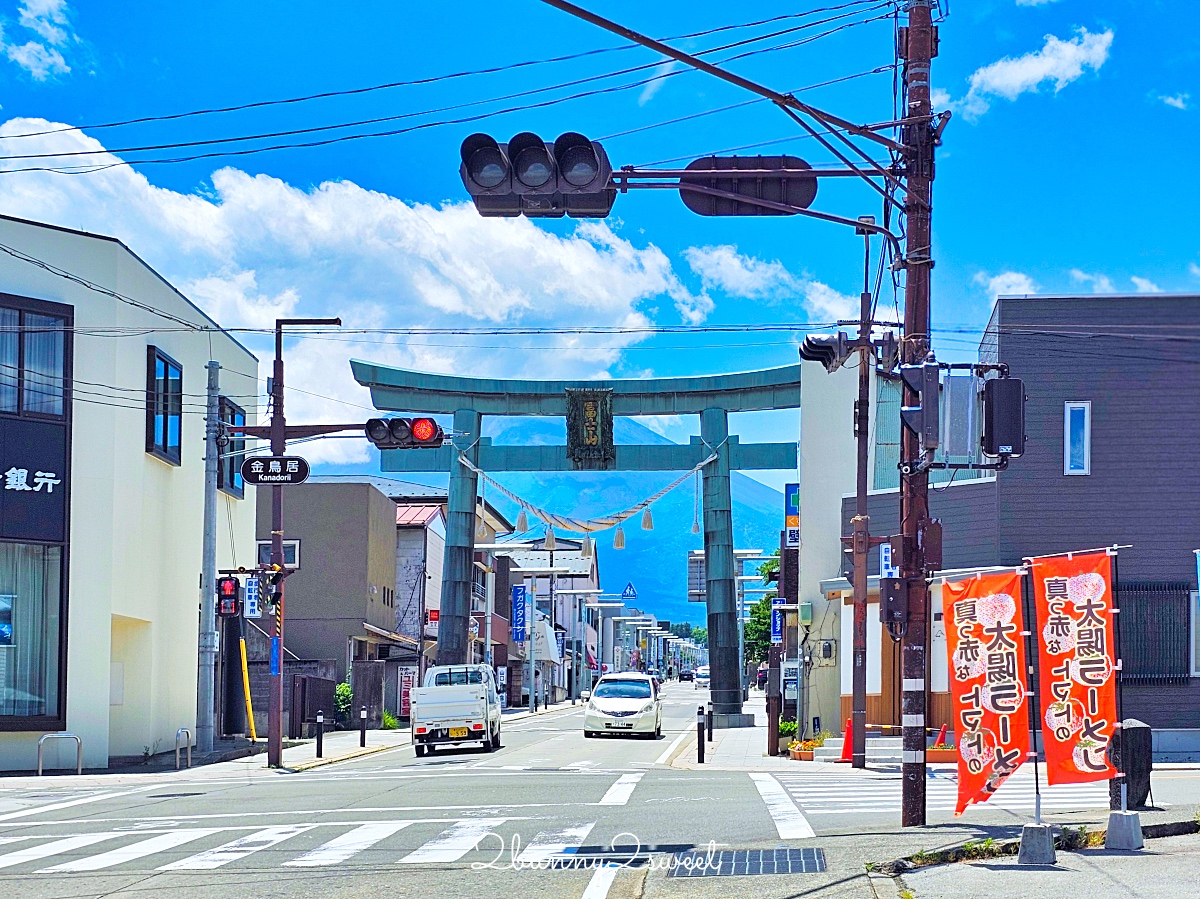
848, 743
941, 737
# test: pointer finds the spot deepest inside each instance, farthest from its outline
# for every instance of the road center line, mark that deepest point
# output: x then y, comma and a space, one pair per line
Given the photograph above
789, 820
619, 793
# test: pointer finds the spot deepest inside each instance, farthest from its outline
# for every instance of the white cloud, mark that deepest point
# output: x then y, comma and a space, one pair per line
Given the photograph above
940, 99
39, 61
1194, 269
1145, 285
1059, 61
654, 85
46, 18
1100, 283
1006, 284
1034, 2
1179, 101
256, 247
723, 268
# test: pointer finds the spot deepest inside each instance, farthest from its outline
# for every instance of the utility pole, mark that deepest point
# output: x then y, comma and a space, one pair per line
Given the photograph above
918, 47
206, 674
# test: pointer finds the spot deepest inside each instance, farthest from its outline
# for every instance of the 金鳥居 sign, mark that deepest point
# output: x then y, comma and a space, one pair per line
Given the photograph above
1077, 664
985, 641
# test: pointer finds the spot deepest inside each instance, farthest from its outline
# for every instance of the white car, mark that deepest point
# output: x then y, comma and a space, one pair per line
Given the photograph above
701, 680
624, 704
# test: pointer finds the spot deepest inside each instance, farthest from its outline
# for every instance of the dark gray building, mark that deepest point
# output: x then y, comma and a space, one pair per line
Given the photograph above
1113, 457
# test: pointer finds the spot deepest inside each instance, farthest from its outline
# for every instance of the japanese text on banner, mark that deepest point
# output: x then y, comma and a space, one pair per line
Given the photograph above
988, 683
1077, 665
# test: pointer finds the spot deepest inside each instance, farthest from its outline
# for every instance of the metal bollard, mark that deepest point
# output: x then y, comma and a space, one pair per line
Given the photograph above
179, 733
700, 734
320, 733
362, 727
709, 721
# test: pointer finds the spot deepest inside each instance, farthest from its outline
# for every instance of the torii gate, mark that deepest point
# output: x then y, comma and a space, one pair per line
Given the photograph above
712, 397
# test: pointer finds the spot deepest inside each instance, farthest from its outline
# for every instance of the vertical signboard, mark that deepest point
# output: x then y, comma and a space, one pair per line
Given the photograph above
252, 607
519, 612
1077, 664
776, 621
407, 677
791, 516
988, 681
886, 568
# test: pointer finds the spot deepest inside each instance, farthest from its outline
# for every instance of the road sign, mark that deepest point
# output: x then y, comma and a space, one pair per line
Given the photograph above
886, 569
518, 613
251, 607
791, 515
776, 626
275, 470
629, 594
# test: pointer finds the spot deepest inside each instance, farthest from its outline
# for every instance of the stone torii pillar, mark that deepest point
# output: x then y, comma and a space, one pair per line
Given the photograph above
454, 619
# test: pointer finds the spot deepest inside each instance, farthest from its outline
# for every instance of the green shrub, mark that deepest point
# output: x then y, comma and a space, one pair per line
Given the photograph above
390, 722
343, 701
787, 728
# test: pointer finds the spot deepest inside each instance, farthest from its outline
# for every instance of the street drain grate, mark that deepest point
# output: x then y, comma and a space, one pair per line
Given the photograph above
747, 862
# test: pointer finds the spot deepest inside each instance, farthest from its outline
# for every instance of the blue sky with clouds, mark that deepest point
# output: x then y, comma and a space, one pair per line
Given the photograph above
1066, 167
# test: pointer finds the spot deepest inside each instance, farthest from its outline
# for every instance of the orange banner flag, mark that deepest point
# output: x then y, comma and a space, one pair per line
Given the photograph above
1076, 664
985, 646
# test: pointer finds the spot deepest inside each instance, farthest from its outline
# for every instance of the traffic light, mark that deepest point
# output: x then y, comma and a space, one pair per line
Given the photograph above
893, 601
1003, 417
405, 433
776, 179
229, 597
529, 176
924, 379
831, 350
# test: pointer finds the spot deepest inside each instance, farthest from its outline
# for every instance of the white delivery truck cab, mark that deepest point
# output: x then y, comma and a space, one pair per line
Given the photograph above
456, 704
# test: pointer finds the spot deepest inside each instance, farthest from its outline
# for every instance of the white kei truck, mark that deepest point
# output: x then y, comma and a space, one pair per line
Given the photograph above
457, 704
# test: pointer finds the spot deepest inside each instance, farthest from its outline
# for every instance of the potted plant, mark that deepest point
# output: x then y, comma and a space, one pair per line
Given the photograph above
944, 753
787, 734
802, 750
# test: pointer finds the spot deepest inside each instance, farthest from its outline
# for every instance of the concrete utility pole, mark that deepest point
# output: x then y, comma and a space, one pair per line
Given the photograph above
861, 539
918, 43
206, 674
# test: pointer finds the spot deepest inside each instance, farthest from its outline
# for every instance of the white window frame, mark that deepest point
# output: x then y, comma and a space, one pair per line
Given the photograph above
1068, 408
1195, 606
286, 544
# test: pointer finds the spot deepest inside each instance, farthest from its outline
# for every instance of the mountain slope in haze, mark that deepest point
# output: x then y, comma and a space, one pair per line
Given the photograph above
655, 562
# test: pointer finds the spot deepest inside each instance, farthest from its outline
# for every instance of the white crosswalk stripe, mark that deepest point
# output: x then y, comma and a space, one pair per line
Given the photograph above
454, 843
847, 794
238, 849
60, 854
551, 843
347, 845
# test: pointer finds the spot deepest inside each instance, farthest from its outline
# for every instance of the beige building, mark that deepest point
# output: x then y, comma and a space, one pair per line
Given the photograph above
102, 392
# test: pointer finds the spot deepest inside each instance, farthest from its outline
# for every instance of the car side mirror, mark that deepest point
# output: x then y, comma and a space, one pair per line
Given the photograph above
585, 695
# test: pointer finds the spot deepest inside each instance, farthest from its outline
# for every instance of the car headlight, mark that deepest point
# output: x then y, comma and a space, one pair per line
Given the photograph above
591, 706
648, 707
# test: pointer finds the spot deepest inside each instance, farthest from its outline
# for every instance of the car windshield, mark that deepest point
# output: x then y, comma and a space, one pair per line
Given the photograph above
458, 677
622, 689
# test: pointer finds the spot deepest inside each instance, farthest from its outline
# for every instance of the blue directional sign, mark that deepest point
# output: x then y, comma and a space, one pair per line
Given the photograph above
776, 626
519, 613
791, 515
629, 594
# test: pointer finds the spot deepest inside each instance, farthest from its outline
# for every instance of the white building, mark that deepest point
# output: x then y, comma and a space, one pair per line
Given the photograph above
102, 392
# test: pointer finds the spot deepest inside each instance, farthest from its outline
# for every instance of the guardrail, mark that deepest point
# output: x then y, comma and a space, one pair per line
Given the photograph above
178, 734
62, 736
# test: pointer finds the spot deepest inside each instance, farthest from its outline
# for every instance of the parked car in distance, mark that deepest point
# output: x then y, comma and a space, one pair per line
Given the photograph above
624, 704
686, 674
457, 704
701, 680
656, 674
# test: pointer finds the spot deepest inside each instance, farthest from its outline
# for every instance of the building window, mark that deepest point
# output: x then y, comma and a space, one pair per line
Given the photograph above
229, 471
32, 363
1196, 635
31, 631
1077, 438
291, 553
164, 405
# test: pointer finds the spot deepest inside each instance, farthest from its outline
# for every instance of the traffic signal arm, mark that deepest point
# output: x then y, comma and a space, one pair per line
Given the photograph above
294, 432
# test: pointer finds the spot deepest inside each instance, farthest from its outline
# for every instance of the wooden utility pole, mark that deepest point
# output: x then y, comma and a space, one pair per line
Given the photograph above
918, 45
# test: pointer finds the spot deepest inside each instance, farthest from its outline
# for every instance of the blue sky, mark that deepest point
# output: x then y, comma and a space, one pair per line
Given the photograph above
1065, 168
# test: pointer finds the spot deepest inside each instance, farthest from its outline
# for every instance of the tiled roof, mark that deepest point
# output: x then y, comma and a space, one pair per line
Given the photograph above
416, 515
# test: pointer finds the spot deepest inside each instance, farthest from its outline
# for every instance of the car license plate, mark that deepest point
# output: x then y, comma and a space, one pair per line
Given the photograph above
459, 732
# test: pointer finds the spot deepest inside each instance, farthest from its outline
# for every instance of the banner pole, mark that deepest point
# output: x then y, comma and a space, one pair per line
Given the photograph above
1116, 610
1029, 601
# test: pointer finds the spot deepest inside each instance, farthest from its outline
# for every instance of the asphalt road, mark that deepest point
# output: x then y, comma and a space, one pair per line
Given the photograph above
549, 815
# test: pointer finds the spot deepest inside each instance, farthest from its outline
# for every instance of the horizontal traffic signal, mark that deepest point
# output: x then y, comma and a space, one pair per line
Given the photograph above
532, 177
405, 433
831, 350
724, 185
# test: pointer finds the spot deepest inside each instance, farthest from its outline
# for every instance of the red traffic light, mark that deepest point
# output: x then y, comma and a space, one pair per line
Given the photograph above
229, 597
424, 430
228, 587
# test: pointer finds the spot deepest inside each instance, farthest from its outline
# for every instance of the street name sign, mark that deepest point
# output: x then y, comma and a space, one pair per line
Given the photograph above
275, 470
